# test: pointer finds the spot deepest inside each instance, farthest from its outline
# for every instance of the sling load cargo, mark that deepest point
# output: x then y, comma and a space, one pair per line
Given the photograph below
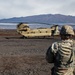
24, 30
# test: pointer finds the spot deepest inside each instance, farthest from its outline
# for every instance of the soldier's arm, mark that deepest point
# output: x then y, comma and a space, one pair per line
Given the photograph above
49, 56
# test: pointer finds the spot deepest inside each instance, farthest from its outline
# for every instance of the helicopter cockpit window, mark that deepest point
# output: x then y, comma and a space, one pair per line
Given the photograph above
26, 27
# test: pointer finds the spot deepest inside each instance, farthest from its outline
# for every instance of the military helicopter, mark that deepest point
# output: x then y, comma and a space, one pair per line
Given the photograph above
27, 32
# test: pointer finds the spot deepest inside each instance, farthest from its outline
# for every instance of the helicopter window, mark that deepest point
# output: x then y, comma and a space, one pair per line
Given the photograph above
28, 32
46, 31
40, 31
32, 32
25, 30
26, 27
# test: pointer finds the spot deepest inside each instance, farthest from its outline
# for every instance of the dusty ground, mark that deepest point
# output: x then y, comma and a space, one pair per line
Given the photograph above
23, 56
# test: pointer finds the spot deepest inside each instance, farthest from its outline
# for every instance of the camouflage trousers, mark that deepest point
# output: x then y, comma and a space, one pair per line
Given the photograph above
63, 72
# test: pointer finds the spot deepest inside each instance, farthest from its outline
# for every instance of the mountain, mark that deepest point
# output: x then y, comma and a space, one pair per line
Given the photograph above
47, 18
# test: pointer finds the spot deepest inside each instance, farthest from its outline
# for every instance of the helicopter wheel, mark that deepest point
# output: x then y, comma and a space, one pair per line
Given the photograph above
44, 37
23, 37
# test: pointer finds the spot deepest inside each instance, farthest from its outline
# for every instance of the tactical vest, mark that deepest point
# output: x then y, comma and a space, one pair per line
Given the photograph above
64, 55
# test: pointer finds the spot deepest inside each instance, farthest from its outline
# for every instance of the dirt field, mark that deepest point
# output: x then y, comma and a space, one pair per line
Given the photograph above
23, 56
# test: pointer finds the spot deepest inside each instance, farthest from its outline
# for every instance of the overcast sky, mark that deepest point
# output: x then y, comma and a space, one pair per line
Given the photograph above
23, 8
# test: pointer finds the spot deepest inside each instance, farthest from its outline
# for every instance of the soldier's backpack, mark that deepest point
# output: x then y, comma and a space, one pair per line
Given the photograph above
64, 55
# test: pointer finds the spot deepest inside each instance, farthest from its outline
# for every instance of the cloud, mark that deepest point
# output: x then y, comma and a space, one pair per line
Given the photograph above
68, 8
18, 8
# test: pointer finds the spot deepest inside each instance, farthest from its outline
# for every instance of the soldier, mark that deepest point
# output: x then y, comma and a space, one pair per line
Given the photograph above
62, 53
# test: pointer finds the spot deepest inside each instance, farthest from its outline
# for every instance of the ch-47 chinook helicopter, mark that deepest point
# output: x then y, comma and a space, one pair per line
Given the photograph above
27, 32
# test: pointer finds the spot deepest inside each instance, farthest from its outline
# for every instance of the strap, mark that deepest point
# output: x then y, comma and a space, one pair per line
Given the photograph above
73, 57
70, 61
72, 54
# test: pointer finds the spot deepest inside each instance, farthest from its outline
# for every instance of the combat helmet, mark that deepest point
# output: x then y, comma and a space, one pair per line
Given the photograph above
66, 29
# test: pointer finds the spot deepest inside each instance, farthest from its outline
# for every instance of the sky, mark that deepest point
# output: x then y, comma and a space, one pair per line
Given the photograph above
24, 8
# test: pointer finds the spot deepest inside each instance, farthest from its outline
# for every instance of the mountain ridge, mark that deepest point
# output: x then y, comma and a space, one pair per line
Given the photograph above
44, 18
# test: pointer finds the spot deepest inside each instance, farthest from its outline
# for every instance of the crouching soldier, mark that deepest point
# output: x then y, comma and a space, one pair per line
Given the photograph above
62, 53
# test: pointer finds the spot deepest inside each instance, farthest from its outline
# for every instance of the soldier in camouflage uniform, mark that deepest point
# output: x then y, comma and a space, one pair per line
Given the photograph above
62, 53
